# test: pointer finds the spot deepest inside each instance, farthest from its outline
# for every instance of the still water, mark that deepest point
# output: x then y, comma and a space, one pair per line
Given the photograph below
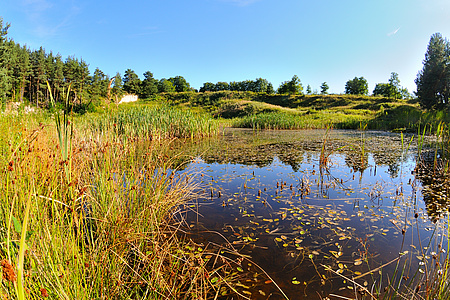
314, 209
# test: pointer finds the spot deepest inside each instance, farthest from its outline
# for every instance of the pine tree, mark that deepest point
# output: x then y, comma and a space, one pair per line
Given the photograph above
39, 76
131, 82
58, 78
149, 85
99, 84
22, 71
433, 81
324, 88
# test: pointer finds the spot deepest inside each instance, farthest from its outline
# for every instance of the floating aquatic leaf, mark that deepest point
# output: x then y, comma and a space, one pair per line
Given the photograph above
357, 262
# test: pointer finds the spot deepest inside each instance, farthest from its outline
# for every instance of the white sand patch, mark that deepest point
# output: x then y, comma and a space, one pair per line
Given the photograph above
128, 98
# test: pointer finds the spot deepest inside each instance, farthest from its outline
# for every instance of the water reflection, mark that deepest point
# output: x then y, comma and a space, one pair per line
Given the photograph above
435, 179
267, 195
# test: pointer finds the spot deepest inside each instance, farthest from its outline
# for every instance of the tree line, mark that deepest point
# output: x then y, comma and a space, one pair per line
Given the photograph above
24, 75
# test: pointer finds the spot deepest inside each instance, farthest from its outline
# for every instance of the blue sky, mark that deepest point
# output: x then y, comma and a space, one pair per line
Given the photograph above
232, 40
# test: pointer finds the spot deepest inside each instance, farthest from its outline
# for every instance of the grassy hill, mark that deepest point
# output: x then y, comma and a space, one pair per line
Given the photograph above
256, 110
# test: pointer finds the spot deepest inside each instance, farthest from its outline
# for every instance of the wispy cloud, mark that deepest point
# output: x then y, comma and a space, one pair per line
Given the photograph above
240, 2
145, 31
36, 8
48, 18
393, 32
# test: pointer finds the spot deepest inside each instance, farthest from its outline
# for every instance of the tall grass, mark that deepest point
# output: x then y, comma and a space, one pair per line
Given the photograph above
106, 231
309, 120
154, 122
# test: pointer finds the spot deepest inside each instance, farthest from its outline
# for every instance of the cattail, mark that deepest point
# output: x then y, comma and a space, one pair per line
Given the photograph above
8, 271
44, 292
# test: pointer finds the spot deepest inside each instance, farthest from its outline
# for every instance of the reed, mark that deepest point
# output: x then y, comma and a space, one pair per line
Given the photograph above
153, 122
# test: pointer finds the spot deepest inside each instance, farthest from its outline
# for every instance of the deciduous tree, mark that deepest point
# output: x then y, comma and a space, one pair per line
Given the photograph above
208, 87
180, 84
117, 89
293, 87
221, 86
391, 89
165, 86
357, 86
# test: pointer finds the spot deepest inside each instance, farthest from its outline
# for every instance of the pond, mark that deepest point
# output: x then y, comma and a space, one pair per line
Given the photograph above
323, 213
